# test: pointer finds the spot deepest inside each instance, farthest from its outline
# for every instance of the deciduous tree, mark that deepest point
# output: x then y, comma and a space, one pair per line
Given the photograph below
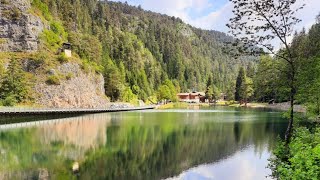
258, 23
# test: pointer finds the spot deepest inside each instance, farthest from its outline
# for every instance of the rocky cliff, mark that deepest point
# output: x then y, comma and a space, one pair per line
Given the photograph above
79, 89
19, 29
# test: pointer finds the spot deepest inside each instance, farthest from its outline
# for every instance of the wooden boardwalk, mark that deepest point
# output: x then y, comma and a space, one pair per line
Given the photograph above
45, 111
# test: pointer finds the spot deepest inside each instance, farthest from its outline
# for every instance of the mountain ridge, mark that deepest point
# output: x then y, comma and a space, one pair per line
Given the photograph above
141, 54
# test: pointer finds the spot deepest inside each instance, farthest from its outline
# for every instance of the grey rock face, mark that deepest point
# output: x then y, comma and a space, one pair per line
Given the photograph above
19, 30
80, 90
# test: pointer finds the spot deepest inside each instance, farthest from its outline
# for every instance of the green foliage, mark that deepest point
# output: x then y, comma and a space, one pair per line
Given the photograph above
114, 80
51, 39
164, 93
302, 160
212, 93
58, 29
246, 89
239, 84
2, 70
14, 86
53, 80
86, 46
9, 101
150, 47
128, 96
62, 58
69, 76
167, 91
16, 14
43, 9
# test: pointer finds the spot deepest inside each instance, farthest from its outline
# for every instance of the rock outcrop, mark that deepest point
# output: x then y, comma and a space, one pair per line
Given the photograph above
78, 90
19, 29
19, 32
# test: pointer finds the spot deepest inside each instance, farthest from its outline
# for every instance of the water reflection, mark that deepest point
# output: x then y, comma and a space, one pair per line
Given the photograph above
243, 165
140, 145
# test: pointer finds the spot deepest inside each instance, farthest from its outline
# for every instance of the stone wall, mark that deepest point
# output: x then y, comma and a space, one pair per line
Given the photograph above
19, 30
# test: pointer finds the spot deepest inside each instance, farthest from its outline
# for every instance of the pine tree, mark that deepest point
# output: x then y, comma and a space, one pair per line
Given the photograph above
239, 82
14, 86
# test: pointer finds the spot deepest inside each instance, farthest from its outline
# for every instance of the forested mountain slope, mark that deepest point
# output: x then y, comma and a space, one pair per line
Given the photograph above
140, 53
141, 49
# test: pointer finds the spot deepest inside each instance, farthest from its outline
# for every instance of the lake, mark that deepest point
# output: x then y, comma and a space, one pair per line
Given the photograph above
196, 143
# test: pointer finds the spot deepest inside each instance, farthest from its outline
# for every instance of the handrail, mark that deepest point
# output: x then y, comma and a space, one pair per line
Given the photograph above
30, 110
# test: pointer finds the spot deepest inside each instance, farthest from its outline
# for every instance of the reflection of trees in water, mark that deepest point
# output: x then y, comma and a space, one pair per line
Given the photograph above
129, 145
50, 146
152, 152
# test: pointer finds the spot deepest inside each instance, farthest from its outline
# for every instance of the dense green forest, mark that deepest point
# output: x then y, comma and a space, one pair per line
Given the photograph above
140, 53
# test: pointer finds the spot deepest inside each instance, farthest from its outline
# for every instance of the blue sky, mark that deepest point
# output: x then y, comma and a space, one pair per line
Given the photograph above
213, 14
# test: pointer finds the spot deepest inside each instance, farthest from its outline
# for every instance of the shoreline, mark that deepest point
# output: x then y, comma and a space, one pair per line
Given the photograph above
277, 106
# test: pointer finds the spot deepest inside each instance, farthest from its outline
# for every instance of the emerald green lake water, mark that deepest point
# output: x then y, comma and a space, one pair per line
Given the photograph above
213, 143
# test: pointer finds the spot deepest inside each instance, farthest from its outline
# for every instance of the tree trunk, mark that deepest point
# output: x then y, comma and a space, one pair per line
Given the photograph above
290, 125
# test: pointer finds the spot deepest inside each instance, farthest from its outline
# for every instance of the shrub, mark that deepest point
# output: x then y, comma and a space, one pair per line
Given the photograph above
16, 14
62, 58
302, 159
53, 80
43, 8
58, 29
51, 40
69, 76
85, 66
3, 41
9, 101
40, 58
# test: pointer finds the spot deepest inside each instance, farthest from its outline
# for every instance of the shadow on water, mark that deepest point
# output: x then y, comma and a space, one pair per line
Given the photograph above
133, 145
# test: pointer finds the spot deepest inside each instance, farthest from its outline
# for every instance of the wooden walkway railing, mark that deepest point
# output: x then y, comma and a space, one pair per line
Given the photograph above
44, 111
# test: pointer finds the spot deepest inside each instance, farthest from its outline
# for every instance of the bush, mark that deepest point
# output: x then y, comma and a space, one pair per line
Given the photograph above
53, 80
62, 58
302, 159
3, 41
9, 101
69, 76
43, 8
58, 29
51, 40
16, 14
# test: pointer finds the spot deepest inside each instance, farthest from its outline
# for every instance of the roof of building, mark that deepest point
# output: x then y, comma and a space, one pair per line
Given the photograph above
183, 94
192, 94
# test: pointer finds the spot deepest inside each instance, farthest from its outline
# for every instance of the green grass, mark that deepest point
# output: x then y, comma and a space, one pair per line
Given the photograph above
173, 105
53, 80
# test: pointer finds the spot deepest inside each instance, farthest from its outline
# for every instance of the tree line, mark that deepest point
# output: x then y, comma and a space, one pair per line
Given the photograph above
140, 51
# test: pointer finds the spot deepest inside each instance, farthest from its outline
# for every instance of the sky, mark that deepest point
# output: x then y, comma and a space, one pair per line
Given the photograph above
214, 14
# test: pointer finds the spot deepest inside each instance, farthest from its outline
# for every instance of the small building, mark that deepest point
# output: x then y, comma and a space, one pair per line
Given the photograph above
193, 97
66, 49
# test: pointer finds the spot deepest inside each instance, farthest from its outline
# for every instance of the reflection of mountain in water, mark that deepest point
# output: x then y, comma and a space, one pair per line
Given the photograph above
133, 145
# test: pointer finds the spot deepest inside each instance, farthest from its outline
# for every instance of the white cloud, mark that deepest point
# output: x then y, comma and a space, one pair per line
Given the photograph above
308, 13
215, 20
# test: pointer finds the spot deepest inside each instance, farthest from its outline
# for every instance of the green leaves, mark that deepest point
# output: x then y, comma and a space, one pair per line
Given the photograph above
167, 91
303, 159
14, 88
